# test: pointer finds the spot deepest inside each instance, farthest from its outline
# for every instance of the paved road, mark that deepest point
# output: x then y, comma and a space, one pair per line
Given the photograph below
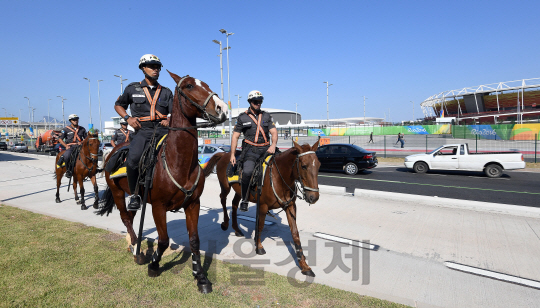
514, 187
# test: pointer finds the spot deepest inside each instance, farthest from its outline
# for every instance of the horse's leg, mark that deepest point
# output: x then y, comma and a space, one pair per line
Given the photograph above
160, 218
127, 218
59, 175
223, 195
192, 220
80, 178
234, 215
75, 189
291, 218
259, 249
96, 191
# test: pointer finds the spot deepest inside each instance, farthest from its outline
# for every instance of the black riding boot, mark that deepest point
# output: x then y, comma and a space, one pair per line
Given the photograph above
135, 199
245, 197
60, 162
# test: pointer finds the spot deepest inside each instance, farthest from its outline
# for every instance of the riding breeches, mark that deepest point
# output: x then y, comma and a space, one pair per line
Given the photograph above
67, 154
249, 160
140, 140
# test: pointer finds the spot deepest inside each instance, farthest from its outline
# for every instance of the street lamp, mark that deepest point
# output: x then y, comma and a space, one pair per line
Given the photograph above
364, 111
99, 102
48, 112
28, 110
89, 101
63, 117
327, 110
227, 34
20, 112
5, 110
220, 64
121, 83
412, 111
238, 111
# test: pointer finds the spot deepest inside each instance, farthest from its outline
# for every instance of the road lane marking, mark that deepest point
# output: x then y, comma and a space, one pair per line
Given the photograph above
346, 241
494, 275
434, 185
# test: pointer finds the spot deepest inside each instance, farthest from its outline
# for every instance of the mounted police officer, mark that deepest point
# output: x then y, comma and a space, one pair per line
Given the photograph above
256, 125
121, 135
150, 104
70, 136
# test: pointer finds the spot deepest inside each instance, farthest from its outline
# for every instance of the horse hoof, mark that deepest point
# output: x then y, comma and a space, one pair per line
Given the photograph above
309, 273
83, 207
58, 200
205, 288
96, 206
140, 259
260, 251
224, 226
78, 202
153, 271
239, 233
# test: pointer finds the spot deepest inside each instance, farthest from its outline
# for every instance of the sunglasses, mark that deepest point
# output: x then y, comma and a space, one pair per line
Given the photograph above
256, 102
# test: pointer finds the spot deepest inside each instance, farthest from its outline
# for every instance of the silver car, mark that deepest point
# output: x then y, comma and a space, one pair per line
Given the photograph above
19, 147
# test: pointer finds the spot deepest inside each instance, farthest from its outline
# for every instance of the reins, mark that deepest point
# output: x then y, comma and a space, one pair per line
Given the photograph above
93, 160
302, 188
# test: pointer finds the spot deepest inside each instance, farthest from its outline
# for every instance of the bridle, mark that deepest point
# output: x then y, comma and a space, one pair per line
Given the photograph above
205, 115
302, 188
91, 159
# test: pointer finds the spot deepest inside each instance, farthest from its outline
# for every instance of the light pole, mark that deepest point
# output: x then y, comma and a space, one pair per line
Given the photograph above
364, 111
99, 102
48, 112
121, 83
228, 84
296, 117
220, 64
327, 110
63, 117
34, 109
20, 112
89, 101
238, 111
29, 117
5, 110
412, 112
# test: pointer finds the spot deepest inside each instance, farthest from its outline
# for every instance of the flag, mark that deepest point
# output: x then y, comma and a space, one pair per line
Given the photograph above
442, 114
230, 108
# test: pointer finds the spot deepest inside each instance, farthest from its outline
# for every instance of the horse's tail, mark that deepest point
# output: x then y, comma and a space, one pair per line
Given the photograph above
212, 162
107, 202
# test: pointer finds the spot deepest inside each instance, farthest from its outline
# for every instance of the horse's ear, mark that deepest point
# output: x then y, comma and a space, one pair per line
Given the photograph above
175, 77
297, 147
315, 146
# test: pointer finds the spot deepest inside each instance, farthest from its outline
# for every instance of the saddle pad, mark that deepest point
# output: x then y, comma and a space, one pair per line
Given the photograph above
265, 165
121, 172
234, 179
63, 165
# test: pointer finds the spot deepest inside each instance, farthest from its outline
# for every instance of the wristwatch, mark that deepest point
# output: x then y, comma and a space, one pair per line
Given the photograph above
126, 117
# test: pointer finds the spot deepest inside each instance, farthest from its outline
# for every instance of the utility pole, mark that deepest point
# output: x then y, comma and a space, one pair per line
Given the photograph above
364, 110
99, 102
121, 83
63, 116
227, 34
238, 110
327, 109
48, 112
412, 112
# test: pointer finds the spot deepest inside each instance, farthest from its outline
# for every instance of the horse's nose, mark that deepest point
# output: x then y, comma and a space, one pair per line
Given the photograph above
313, 198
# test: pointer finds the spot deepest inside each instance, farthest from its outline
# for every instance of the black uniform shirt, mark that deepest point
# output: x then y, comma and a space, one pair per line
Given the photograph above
246, 125
135, 98
68, 135
119, 137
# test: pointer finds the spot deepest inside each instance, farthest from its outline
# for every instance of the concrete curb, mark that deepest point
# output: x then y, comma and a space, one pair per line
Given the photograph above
496, 208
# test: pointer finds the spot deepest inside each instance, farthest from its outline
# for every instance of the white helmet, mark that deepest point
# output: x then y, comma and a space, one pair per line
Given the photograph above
124, 122
255, 95
73, 117
149, 59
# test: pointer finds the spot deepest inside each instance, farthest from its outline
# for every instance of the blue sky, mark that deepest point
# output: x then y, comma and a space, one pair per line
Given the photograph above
392, 52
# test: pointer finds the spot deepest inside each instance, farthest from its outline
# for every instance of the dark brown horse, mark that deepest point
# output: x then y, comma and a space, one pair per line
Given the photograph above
85, 166
178, 180
279, 190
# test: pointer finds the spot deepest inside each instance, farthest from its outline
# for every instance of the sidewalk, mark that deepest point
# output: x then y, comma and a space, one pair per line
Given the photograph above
413, 235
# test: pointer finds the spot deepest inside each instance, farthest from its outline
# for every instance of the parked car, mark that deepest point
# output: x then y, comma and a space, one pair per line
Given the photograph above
206, 151
19, 147
3, 146
105, 147
458, 157
349, 158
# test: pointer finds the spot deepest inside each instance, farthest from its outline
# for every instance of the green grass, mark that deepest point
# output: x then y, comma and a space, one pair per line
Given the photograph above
49, 262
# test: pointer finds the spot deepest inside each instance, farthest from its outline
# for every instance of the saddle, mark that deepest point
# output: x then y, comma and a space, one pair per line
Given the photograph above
116, 165
234, 173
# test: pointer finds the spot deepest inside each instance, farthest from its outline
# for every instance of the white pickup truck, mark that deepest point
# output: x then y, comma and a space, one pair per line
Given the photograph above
458, 157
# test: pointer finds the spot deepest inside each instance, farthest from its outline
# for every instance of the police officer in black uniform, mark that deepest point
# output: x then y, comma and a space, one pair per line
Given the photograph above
150, 105
70, 136
255, 124
121, 135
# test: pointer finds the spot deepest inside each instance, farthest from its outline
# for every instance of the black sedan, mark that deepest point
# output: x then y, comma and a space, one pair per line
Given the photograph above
346, 157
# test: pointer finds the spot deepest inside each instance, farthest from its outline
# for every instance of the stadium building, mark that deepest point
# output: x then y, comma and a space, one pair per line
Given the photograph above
504, 102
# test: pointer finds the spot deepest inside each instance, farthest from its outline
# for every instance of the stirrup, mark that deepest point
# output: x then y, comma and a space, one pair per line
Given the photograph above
69, 173
243, 206
134, 203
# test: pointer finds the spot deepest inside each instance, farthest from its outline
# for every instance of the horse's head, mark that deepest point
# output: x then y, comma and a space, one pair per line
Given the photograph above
199, 100
91, 143
308, 170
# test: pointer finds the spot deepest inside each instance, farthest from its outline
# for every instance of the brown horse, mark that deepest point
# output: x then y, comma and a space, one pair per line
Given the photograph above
85, 166
279, 190
178, 181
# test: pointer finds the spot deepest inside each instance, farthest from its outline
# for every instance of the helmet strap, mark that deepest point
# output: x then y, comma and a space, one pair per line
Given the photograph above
150, 77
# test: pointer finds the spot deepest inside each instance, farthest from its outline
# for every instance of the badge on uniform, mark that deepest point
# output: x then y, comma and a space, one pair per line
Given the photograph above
138, 95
